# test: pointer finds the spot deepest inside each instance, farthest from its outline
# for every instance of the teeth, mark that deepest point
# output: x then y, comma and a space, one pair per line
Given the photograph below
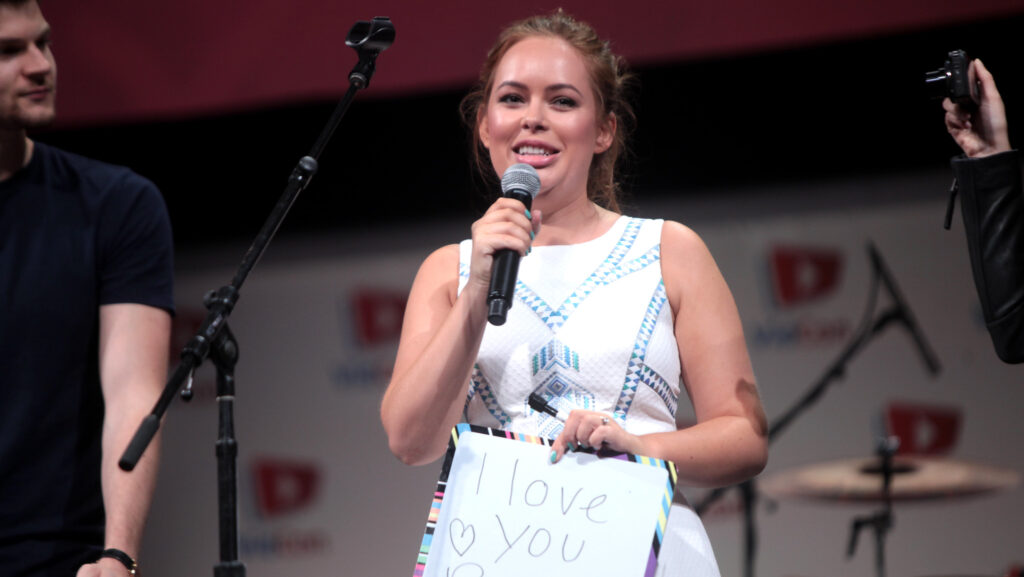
533, 150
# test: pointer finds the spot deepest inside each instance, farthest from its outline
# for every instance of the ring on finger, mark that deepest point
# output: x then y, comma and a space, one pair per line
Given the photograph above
604, 420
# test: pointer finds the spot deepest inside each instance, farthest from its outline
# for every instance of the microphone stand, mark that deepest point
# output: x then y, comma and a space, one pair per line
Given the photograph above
215, 341
869, 327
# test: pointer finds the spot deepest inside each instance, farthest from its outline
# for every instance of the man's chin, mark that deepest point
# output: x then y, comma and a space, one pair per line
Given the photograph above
40, 120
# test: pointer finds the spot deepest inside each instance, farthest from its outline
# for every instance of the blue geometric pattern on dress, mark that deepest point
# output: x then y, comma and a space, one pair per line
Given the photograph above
660, 386
548, 426
635, 369
565, 393
562, 394
470, 394
610, 270
555, 353
463, 269
482, 387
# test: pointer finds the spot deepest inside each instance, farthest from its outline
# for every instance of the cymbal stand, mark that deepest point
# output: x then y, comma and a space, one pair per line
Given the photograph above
870, 326
880, 522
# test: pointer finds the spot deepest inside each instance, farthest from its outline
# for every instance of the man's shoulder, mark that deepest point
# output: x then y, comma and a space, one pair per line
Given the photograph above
76, 171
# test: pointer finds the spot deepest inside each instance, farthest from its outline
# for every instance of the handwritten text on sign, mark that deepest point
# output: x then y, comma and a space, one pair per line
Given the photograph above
507, 511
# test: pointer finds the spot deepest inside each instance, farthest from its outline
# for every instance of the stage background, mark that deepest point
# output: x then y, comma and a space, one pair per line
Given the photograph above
791, 124
320, 492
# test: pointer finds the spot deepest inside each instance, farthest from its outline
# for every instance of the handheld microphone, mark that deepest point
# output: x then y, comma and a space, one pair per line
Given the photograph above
522, 183
903, 313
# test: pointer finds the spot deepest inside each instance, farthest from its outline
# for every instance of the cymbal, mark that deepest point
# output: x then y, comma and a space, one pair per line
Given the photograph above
914, 479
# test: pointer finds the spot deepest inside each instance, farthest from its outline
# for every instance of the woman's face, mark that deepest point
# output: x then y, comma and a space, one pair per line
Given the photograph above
543, 111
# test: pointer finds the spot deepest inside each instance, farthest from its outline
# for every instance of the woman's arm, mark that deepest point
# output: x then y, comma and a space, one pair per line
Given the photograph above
441, 335
989, 181
440, 338
729, 442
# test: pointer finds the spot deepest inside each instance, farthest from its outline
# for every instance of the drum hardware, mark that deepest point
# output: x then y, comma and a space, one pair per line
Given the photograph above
914, 479
880, 522
886, 478
872, 324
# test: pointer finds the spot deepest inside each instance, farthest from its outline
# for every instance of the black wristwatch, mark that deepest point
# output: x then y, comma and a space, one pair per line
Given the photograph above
124, 558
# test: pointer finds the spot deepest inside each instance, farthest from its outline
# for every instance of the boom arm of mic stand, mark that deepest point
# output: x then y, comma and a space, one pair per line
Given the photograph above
193, 355
368, 39
902, 310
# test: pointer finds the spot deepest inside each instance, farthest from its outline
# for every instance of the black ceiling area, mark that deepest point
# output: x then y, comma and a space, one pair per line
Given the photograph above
834, 110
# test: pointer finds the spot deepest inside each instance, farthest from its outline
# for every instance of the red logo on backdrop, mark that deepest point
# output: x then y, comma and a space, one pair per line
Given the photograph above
802, 274
378, 315
284, 486
923, 429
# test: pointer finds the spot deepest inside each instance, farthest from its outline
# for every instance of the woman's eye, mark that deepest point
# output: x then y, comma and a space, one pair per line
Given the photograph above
510, 98
565, 102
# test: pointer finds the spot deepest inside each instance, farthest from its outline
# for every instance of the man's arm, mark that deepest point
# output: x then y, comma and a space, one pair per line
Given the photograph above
993, 209
992, 200
134, 344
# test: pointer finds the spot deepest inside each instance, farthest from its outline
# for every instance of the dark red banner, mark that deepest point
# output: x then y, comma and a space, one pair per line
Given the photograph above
125, 60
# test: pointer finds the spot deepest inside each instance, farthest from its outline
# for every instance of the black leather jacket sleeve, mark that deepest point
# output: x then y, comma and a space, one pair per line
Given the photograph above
992, 201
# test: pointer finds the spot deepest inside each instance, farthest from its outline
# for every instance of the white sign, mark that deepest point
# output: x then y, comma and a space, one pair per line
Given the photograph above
508, 511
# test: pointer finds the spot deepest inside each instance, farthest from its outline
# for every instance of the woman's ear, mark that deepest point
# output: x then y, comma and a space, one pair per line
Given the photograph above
483, 130
606, 133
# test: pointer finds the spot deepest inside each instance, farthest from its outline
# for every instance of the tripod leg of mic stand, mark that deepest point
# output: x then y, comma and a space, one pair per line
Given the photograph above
750, 534
880, 551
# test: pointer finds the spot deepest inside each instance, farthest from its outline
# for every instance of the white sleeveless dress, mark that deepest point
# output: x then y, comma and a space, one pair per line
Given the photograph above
591, 328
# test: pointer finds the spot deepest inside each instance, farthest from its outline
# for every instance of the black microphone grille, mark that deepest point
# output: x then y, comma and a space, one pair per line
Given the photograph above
521, 177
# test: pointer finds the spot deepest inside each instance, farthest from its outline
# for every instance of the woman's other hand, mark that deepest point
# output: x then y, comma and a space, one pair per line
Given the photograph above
591, 429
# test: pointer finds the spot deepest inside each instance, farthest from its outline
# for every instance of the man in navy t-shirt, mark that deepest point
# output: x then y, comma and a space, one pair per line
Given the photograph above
85, 314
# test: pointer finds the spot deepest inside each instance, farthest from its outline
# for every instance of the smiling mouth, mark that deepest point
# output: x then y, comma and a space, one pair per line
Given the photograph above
37, 92
533, 151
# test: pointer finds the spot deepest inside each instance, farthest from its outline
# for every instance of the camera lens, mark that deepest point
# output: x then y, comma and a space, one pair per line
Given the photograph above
936, 82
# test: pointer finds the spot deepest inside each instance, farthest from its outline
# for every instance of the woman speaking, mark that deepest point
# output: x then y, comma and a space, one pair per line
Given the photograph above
613, 316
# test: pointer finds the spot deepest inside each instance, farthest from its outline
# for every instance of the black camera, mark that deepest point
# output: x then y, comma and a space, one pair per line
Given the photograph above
953, 80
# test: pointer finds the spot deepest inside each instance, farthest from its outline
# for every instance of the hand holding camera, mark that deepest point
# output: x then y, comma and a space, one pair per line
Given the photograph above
975, 115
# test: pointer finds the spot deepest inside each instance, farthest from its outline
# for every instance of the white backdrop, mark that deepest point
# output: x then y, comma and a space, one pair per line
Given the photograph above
321, 494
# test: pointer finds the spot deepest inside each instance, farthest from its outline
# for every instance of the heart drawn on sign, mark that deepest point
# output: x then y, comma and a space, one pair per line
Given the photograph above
465, 539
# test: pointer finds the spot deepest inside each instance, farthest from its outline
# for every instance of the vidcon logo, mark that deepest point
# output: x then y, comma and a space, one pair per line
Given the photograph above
371, 319
284, 488
800, 277
923, 429
378, 315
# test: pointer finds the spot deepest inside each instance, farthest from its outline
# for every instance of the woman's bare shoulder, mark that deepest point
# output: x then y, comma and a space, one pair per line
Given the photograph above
679, 241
